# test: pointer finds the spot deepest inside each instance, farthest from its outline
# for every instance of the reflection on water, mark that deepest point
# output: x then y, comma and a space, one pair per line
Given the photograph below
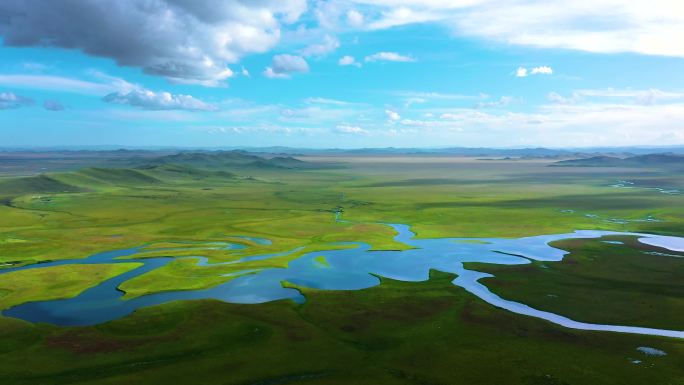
348, 269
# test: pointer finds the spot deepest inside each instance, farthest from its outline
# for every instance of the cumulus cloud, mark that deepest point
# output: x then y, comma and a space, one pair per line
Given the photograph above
10, 100
53, 105
284, 65
348, 61
328, 45
392, 115
182, 40
151, 100
388, 56
349, 129
522, 72
543, 70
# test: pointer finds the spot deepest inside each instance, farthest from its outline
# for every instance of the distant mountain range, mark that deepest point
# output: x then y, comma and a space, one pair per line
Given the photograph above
669, 159
33, 162
223, 159
99, 151
538, 152
40, 161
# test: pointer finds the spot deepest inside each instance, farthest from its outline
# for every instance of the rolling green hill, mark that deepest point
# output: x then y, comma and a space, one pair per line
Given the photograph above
186, 167
35, 185
119, 176
180, 171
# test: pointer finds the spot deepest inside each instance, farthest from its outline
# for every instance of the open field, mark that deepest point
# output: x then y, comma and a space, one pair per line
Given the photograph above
377, 335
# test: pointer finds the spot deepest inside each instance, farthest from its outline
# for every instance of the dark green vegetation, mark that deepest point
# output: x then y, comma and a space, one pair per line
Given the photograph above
632, 284
397, 333
403, 333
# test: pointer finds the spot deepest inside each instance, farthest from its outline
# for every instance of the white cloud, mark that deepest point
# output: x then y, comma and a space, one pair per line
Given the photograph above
420, 123
501, 102
241, 129
637, 96
328, 13
401, 15
348, 61
392, 115
59, 83
349, 129
521, 72
602, 26
355, 18
408, 102
653, 95
185, 41
563, 125
271, 74
449, 116
10, 100
544, 70
244, 72
556, 98
284, 65
327, 101
389, 56
150, 100
329, 44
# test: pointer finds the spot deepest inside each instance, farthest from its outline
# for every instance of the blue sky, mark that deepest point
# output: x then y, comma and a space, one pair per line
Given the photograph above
342, 73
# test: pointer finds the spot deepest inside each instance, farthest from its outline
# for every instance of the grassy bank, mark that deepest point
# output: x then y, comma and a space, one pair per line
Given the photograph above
599, 282
398, 333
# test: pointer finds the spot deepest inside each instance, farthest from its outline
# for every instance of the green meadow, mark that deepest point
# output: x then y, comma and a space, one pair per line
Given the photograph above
396, 333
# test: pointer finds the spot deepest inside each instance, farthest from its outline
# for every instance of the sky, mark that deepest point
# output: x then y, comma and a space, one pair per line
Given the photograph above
341, 73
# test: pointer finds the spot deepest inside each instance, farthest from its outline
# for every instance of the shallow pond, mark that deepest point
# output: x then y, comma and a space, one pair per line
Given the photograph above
353, 268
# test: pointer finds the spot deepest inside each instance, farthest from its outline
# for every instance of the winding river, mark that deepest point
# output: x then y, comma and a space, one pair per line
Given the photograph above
353, 268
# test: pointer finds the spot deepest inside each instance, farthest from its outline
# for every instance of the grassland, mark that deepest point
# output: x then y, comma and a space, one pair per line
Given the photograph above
598, 282
55, 282
397, 333
76, 214
403, 333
